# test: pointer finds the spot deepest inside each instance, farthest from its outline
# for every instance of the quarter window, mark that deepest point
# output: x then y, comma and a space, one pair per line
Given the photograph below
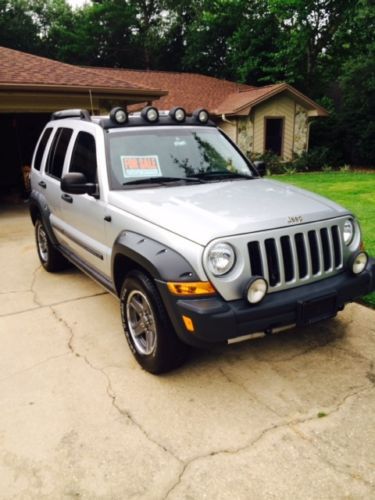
56, 156
84, 156
41, 147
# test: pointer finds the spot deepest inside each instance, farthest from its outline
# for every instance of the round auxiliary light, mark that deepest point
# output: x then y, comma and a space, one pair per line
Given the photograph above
150, 114
221, 259
178, 114
359, 262
118, 115
256, 289
348, 232
201, 115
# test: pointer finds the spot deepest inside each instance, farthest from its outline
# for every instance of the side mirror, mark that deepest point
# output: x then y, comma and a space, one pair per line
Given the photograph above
261, 167
76, 183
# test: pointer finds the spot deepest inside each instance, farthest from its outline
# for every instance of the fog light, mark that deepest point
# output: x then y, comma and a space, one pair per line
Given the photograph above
359, 262
118, 115
201, 115
178, 114
150, 114
256, 289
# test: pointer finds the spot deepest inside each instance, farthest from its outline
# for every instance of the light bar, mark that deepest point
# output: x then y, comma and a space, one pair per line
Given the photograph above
150, 114
178, 114
201, 115
118, 115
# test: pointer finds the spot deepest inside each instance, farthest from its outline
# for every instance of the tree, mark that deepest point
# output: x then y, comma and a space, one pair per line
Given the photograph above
17, 27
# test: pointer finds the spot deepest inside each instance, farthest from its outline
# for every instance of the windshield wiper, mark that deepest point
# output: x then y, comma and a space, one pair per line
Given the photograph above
162, 180
222, 174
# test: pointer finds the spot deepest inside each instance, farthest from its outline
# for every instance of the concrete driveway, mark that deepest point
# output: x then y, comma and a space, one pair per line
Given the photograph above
287, 416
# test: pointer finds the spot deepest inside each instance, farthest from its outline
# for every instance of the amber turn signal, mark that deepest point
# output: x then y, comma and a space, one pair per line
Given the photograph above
191, 288
189, 325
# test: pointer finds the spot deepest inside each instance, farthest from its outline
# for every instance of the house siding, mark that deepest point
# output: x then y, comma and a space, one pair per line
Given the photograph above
229, 129
280, 106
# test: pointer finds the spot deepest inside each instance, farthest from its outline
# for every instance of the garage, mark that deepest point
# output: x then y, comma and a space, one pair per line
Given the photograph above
33, 87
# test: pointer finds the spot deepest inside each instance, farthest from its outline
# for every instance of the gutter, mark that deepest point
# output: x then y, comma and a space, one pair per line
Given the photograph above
224, 118
81, 89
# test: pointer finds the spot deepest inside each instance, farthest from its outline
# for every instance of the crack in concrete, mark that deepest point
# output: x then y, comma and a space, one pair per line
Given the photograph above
36, 365
262, 434
32, 285
337, 467
249, 393
44, 306
109, 389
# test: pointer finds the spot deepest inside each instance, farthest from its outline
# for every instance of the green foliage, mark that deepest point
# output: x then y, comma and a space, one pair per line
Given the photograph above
18, 29
326, 48
353, 190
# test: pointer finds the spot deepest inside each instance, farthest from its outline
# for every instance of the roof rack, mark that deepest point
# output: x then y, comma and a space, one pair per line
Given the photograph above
83, 114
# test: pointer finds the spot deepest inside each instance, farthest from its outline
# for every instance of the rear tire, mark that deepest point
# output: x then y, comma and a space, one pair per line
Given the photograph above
50, 258
147, 327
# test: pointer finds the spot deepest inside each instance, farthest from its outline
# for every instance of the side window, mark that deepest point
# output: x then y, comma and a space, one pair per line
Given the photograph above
56, 156
41, 147
84, 156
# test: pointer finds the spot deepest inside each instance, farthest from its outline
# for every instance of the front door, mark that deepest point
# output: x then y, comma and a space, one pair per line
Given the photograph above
274, 131
82, 216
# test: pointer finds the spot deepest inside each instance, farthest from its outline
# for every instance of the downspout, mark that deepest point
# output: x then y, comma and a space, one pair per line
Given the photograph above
309, 121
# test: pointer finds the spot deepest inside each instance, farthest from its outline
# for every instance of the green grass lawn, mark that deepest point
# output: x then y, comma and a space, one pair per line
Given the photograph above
355, 191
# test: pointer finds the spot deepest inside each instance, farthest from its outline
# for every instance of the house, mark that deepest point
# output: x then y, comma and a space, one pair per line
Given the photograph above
32, 87
258, 119
272, 118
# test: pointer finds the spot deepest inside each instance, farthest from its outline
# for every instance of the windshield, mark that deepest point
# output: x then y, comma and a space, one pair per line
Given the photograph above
164, 154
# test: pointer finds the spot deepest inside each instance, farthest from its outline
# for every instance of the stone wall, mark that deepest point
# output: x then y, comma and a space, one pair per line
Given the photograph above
300, 130
245, 135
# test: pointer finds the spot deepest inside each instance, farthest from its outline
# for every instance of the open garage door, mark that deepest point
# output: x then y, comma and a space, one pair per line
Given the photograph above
19, 133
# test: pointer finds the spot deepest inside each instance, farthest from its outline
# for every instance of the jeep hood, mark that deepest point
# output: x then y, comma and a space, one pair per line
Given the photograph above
203, 212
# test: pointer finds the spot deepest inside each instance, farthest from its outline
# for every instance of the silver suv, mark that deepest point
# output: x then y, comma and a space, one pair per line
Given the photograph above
166, 213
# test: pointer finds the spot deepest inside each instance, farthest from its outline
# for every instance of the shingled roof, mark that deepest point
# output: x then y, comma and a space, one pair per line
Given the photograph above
20, 70
242, 102
189, 90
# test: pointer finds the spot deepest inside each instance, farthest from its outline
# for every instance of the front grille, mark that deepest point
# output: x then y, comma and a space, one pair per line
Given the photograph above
297, 257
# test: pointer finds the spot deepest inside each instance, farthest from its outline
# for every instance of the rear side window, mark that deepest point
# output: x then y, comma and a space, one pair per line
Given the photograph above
41, 147
56, 156
84, 156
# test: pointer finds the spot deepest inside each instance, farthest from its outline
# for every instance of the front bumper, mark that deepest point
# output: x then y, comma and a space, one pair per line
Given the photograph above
216, 320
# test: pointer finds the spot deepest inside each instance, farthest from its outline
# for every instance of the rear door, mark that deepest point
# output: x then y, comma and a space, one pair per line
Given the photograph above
50, 184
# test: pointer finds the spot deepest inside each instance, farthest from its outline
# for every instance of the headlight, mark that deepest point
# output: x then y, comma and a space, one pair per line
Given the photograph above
348, 233
221, 259
256, 289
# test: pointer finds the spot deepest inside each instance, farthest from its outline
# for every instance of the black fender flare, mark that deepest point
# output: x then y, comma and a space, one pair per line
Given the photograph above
160, 261
38, 207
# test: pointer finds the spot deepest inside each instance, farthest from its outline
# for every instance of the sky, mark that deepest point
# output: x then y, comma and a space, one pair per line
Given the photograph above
77, 3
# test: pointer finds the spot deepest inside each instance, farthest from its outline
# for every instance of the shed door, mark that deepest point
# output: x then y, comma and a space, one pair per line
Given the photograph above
274, 131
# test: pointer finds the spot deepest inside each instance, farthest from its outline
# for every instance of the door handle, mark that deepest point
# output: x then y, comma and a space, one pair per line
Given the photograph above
67, 198
42, 184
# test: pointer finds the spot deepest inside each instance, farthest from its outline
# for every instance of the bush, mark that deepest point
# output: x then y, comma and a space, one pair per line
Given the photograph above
316, 159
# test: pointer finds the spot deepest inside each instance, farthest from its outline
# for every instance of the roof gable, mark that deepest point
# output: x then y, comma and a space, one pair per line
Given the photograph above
242, 102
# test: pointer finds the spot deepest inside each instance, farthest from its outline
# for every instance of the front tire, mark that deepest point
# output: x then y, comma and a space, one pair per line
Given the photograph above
147, 327
50, 258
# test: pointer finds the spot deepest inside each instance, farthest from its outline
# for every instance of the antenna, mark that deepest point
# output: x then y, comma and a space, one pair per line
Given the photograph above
92, 106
